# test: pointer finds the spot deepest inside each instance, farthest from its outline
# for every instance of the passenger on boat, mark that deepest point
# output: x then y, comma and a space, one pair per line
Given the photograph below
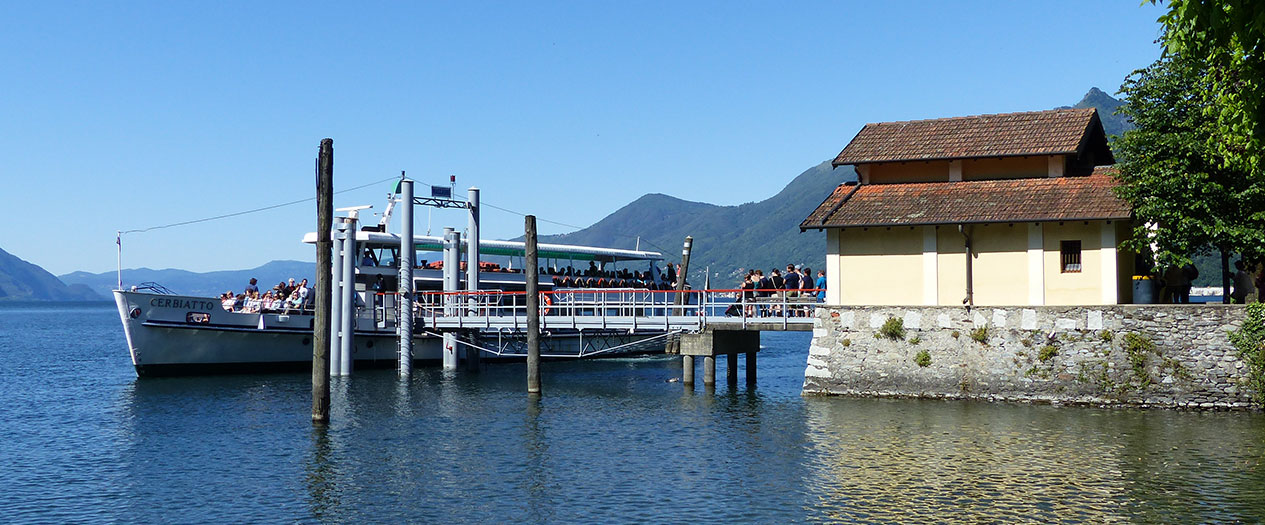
303, 293
252, 286
295, 302
227, 299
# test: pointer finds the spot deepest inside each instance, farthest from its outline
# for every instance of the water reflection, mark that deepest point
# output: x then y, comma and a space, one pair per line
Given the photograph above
321, 476
903, 460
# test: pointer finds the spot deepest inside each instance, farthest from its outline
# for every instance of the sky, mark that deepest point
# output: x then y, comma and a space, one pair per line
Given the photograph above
131, 115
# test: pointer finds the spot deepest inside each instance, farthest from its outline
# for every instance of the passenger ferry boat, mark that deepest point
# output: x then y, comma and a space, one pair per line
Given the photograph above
169, 334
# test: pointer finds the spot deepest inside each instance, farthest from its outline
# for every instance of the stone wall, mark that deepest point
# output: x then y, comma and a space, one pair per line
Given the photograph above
1137, 355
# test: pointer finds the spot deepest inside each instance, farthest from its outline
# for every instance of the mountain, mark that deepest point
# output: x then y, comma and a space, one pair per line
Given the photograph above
762, 234
1112, 124
207, 284
23, 281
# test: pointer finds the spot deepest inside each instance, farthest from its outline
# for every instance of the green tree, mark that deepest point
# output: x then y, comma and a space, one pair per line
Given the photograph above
1174, 173
1228, 37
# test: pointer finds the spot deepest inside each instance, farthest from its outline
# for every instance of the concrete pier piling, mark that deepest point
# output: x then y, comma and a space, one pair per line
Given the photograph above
715, 342
731, 369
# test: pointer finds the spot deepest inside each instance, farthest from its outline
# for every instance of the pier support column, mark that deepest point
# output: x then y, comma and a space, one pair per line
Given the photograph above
751, 368
731, 369
709, 370
336, 301
346, 341
452, 278
405, 285
687, 370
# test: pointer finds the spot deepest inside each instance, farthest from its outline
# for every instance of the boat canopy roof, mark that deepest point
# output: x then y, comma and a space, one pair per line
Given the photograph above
430, 243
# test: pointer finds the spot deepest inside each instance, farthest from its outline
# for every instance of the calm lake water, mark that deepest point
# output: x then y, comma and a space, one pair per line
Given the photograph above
82, 439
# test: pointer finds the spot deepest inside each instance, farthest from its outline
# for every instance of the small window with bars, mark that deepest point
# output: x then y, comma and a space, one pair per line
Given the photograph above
1070, 255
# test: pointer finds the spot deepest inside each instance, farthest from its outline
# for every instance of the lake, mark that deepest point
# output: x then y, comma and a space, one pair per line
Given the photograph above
612, 440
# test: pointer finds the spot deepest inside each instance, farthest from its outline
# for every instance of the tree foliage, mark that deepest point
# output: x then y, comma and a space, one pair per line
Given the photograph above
1228, 37
1187, 195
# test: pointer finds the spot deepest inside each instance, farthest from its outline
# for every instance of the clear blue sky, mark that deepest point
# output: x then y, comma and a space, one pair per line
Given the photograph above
126, 115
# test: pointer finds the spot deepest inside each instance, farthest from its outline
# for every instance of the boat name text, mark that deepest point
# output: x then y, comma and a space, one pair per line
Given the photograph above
186, 304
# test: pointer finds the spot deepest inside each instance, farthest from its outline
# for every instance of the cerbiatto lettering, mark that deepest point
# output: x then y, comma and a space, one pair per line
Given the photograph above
186, 304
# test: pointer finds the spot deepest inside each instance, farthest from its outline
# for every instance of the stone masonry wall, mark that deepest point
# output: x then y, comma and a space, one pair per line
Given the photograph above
1136, 355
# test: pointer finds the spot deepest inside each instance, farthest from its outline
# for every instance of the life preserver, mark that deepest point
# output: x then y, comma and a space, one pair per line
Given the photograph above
548, 303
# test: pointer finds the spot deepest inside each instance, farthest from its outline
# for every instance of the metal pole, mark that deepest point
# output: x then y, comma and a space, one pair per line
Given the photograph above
351, 255
336, 299
452, 276
320, 331
533, 306
406, 279
472, 266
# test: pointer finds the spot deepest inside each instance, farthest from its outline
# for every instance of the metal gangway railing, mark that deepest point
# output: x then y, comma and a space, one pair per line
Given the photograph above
634, 310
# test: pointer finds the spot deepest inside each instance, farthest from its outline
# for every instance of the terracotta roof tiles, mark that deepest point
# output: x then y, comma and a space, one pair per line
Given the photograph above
971, 202
1059, 131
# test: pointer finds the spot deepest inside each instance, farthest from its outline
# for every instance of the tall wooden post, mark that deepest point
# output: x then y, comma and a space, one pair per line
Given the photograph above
320, 332
680, 276
674, 343
533, 307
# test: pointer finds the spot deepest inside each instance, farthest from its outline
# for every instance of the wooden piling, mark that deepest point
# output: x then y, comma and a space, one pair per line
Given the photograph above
680, 276
320, 332
533, 306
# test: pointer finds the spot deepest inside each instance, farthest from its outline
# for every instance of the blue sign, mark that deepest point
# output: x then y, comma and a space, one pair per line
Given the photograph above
440, 192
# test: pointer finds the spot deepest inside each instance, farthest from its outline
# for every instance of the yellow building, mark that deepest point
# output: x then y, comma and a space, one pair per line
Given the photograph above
1008, 209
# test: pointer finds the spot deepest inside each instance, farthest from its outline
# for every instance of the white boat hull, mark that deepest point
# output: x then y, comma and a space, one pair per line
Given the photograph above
172, 335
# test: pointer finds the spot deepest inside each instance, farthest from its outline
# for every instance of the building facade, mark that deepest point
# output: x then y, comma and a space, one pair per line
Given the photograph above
1008, 209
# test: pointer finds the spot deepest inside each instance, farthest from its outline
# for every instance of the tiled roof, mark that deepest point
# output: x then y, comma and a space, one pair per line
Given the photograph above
971, 202
1058, 131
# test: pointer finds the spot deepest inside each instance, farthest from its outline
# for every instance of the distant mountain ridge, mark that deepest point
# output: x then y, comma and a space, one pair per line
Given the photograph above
762, 234
23, 281
207, 284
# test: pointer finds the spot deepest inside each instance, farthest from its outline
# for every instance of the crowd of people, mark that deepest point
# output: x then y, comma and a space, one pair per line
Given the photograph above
594, 277
286, 296
795, 285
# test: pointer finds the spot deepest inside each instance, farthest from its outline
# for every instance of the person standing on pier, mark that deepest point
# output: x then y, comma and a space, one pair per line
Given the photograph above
821, 286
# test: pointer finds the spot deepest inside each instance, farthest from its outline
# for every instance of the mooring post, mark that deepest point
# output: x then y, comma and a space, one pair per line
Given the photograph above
452, 284
687, 370
533, 307
680, 276
472, 268
731, 369
324, 272
405, 334
709, 370
751, 366
336, 298
351, 254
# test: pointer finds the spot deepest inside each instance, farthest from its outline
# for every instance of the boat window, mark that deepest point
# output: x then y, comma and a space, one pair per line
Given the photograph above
197, 318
